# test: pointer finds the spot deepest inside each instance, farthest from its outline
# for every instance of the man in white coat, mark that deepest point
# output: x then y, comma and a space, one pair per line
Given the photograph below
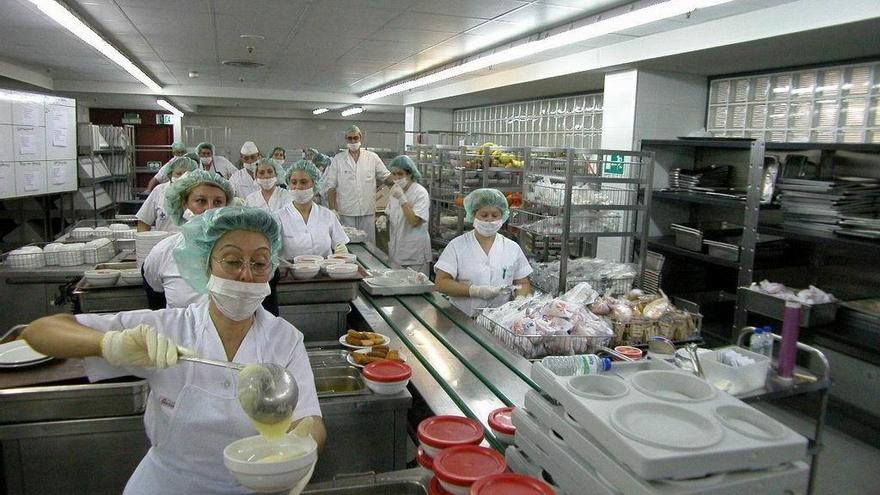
351, 184
242, 180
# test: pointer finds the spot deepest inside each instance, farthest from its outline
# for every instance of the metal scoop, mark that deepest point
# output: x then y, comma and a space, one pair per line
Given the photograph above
661, 345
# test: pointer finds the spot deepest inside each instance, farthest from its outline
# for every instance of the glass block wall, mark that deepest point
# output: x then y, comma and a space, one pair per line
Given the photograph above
564, 122
832, 104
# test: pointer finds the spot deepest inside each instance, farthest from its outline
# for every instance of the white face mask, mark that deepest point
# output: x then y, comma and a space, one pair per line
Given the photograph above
251, 167
267, 183
206, 160
302, 196
278, 161
235, 299
354, 146
188, 215
402, 182
488, 228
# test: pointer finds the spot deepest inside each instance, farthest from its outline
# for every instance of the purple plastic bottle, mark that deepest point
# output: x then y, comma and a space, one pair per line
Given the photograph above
791, 323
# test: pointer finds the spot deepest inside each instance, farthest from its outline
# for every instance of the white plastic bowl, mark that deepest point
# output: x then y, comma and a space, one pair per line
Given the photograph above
346, 257
101, 278
119, 227
387, 388
308, 258
242, 457
342, 270
429, 451
131, 276
303, 271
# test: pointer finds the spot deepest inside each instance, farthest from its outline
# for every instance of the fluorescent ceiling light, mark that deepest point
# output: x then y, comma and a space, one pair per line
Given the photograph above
168, 106
319, 111
75, 25
351, 111
622, 22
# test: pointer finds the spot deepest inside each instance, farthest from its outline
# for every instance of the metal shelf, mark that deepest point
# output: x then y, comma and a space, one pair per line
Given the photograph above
742, 144
666, 244
828, 242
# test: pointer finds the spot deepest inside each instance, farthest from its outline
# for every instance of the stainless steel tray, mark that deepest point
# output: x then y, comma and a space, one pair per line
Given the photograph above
774, 307
76, 401
396, 290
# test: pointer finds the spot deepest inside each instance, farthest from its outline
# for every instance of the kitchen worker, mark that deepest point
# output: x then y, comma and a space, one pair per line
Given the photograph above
409, 243
154, 213
192, 411
278, 156
177, 149
208, 161
478, 265
351, 184
308, 228
270, 197
243, 180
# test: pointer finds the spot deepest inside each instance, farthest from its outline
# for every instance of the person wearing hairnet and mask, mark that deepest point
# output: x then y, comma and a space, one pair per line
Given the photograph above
409, 243
478, 267
177, 149
308, 228
270, 197
192, 410
351, 184
278, 156
154, 213
244, 180
205, 158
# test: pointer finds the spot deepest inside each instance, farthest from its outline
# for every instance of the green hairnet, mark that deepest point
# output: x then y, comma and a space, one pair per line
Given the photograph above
202, 146
353, 128
322, 160
406, 164
307, 167
202, 232
178, 146
278, 148
485, 197
179, 163
279, 172
175, 196
192, 155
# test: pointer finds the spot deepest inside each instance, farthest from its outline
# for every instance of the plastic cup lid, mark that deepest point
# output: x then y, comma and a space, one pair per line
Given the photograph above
465, 464
510, 484
500, 421
424, 459
435, 488
448, 431
387, 371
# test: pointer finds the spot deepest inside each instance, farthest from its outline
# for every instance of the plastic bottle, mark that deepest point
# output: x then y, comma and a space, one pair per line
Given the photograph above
756, 344
582, 364
767, 343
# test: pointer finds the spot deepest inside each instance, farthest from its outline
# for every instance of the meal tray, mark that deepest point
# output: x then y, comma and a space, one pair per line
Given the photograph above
396, 290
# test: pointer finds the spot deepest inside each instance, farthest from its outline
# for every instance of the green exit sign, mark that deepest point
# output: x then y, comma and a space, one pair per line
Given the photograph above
163, 118
614, 167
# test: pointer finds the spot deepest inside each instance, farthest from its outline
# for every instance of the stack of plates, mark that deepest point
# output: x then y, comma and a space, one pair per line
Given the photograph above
651, 282
18, 354
144, 242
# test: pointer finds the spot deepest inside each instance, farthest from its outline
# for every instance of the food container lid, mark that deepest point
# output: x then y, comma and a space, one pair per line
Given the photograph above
424, 459
500, 421
435, 488
387, 371
465, 464
510, 484
448, 431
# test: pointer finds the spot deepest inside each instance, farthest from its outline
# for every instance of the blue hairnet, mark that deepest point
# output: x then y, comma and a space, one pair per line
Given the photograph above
178, 146
175, 196
278, 148
322, 160
193, 253
179, 163
279, 172
307, 167
485, 197
406, 164
202, 146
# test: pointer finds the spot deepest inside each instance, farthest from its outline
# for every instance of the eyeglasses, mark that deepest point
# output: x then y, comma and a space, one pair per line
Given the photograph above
353, 139
235, 266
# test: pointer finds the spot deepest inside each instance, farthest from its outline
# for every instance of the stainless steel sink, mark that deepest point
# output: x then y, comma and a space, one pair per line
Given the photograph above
336, 381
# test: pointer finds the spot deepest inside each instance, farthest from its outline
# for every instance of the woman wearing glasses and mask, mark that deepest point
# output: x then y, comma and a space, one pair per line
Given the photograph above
308, 228
192, 412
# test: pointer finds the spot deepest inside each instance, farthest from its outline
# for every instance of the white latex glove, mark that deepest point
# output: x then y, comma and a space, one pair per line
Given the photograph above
484, 291
340, 249
140, 346
398, 193
382, 223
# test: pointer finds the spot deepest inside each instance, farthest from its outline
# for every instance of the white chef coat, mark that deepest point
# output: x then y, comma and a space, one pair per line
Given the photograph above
161, 273
407, 245
355, 182
277, 201
192, 412
466, 261
319, 236
154, 213
220, 165
243, 184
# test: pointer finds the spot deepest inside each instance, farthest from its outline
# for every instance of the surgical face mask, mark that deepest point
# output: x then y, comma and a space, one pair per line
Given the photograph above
278, 162
235, 299
206, 160
488, 228
188, 214
251, 167
302, 196
402, 182
268, 183
354, 146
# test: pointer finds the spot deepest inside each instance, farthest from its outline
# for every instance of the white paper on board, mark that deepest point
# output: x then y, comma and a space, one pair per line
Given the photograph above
29, 114
32, 179
58, 173
27, 142
57, 123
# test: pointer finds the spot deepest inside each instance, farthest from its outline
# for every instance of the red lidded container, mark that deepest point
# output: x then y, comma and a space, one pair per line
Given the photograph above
502, 425
510, 484
387, 371
458, 468
440, 432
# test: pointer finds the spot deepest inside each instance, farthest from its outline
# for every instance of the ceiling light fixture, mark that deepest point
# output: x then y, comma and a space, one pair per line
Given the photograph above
351, 111
168, 106
319, 111
68, 20
644, 15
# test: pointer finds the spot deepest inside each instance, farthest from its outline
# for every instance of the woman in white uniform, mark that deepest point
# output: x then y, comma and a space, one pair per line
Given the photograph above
192, 411
187, 197
278, 156
154, 213
270, 197
409, 243
308, 228
476, 266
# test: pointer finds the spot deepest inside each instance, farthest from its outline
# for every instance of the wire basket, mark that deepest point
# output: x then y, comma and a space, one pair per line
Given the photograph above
609, 286
582, 222
18, 259
539, 346
676, 325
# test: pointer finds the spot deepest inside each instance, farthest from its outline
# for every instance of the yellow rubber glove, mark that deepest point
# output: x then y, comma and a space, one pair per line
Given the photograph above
140, 346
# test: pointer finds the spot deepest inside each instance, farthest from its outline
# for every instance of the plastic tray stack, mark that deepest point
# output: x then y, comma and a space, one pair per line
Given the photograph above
648, 428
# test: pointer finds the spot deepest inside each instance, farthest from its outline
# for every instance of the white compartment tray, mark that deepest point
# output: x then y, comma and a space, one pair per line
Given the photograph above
575, 460
670, 424
518, 462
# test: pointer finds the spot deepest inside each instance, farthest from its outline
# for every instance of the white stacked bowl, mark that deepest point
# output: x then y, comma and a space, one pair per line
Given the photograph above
144, 242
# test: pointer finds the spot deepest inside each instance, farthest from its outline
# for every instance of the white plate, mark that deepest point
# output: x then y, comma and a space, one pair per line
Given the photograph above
382, 281
352, 362
346, 344
18, 353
